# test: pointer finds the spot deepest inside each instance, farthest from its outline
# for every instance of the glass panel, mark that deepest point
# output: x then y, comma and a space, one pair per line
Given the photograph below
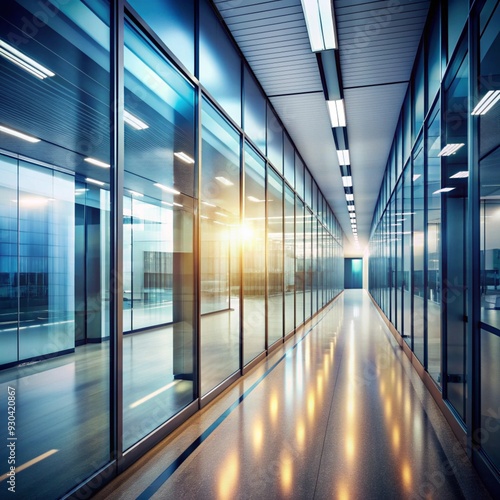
434, 285
308, 188
308, 262
454, 207
9, 289
255, 112
158, 240
299, 261
407, 121
254, 256
393, 239
220, 252
407, 255
274, 140
220, 63
274, 256
289, 260
400, 281
173, 21
457, 15
289, 160
434, 59
489, 142
489, 434
418, 95
54, 326
418, 251
299, 176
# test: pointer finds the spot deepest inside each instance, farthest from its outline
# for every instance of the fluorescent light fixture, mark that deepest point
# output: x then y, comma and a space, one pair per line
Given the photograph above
133, 121
349, 197
443, 190
208, 204
343, 155
254, 199
93, 181
347, 181
351, 208
221, 214
99, 163
352, 215
135, 193
177, 204
184, 157
203, 217
218, 222
450, 149
166, 188
463, 174
320, 24
167, 203
405, 213
487, 102
337, 113
224, 181
20, 135
24, 62
416, 176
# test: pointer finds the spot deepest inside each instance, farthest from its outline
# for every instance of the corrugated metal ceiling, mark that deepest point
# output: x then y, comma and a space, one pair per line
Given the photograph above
378, 41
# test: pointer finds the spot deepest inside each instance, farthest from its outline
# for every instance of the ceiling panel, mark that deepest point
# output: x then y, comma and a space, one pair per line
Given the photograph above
378, 41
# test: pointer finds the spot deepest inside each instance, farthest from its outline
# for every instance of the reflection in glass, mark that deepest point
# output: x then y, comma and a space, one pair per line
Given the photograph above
220, 249
274, 256
418, 251
158, 282
299, 261
434, 286
407, 255
454, 208
289, 260
253, 236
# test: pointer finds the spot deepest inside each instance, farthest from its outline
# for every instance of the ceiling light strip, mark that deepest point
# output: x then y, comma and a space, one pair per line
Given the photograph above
23, 61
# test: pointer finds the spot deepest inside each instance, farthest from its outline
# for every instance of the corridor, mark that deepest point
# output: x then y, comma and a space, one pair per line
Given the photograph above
336, 412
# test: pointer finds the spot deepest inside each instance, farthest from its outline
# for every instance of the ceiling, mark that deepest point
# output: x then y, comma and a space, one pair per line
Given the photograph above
378, 41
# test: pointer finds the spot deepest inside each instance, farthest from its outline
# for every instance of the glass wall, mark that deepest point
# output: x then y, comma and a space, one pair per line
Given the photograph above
450, 231
54, 233
254, 255
150, 249
158, 225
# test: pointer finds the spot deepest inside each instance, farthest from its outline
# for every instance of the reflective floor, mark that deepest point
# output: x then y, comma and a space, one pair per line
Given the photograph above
336, 412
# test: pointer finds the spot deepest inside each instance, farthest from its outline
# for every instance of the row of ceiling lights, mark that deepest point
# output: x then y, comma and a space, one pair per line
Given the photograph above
320, 22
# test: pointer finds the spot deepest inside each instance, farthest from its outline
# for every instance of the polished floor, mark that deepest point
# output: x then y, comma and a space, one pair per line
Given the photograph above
336, 412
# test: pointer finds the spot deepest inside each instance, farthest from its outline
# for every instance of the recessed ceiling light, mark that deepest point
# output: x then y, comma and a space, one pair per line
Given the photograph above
349, 197
416, 176
352, 215
224, 181
24, 62
166, 188
94, 181
98, 163
487, 102
336, 110
133, 121
463, 174
343, 156
135, 193
320, 24
254, 199
20, 135
221, 214
351, 208
443, 190
347, 181
450, 149
177, 204
208, 204
184, 157
167, 203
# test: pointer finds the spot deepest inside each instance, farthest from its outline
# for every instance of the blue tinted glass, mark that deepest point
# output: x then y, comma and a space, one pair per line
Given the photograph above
173, 22
299, 176
289, 158
418, 96
307, 188
220, 64
254, 112
274, 140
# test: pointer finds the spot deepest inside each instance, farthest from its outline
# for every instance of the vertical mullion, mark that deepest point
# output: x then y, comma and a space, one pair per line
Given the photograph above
116, 257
